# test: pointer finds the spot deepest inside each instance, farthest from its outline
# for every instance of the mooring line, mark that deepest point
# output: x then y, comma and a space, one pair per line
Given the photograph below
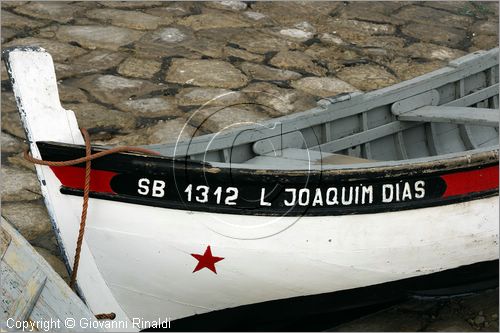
86, 191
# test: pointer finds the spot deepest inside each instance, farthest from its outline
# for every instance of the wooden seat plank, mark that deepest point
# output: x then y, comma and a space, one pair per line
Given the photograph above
454, 115
319, 157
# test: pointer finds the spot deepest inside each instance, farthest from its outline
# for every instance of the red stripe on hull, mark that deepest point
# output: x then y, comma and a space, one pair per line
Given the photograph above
74, 177
458, 183
472, 181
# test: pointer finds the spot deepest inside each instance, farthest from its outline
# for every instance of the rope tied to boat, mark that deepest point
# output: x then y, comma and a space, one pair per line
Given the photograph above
110, 316
86, 191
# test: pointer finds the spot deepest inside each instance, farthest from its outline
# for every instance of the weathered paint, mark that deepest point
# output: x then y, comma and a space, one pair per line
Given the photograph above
32, 292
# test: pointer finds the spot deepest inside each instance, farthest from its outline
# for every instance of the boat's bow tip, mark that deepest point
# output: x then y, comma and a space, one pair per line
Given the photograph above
8, 50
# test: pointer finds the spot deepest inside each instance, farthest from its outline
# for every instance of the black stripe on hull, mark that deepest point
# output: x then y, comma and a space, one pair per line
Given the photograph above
323, 311
194, 186
296, 212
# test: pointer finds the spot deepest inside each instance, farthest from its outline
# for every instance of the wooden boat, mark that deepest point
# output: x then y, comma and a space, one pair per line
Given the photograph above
360, 200
34, 296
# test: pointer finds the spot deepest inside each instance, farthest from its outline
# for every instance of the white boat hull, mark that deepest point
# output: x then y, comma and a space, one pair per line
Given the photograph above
144, 253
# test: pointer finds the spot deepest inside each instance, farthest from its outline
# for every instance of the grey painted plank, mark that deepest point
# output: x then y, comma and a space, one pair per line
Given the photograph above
432, 141
338, 98
475, 97
328, 131
366, 136
299, 154
491, 73
465, 134
454, 115
449, 140
384, 149
466, 59
367, 150
289, 140
282, 163
376, 164
489, 143
416, 142
399, 143
466, 137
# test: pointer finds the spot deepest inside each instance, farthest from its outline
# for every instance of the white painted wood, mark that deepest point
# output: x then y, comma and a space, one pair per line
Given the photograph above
366, 136
32, 290
466, 59
453, 115
35, 89
278, 143
315, 157
268, 258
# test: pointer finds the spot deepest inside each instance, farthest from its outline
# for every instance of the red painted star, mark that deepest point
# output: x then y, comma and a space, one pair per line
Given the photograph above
207, 260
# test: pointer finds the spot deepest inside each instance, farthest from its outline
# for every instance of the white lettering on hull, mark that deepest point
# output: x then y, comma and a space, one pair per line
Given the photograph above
316, 197
343, 196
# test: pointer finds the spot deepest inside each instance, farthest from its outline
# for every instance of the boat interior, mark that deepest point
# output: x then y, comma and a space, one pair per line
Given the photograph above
448, 111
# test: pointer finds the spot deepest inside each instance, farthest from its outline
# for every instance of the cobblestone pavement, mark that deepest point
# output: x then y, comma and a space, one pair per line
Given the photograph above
135, 72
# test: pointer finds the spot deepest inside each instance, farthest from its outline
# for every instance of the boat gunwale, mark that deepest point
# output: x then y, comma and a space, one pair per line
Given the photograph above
129, 168
463, 159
